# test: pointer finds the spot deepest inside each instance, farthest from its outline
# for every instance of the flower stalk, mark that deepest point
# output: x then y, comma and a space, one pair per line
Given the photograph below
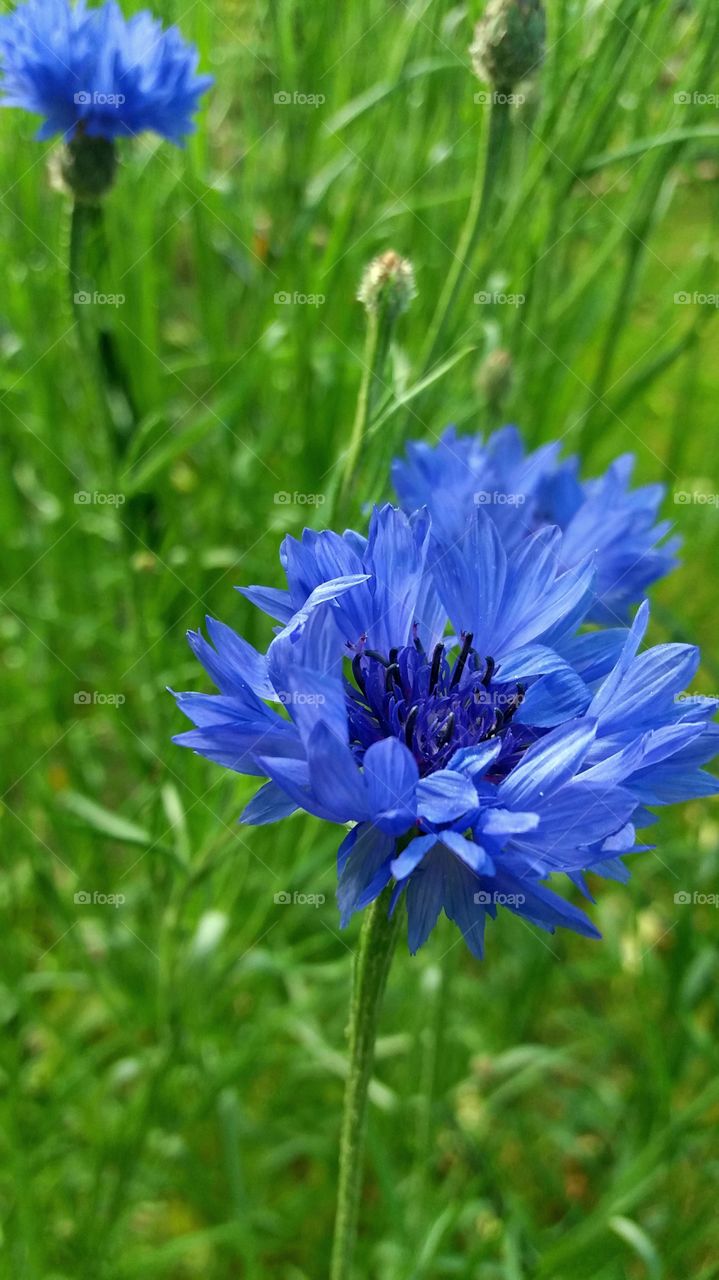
88, 256
488, 165
508, 46
386, 291
378, 939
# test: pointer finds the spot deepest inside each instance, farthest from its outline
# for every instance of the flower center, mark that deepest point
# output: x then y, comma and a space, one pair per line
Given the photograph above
434, 705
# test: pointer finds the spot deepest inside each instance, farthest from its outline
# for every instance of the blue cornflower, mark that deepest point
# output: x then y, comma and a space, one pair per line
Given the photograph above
95, 73
523, 491
448, 707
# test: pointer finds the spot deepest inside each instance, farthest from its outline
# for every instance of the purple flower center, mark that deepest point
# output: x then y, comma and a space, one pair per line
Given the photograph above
434, 705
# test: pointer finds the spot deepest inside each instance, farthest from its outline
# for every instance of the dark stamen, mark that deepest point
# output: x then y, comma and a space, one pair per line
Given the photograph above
447, 730
372, 653
357, 673
461, 660
497, 725
436, 663
489, 672
410, 722
415, 638
515, 704
392, 674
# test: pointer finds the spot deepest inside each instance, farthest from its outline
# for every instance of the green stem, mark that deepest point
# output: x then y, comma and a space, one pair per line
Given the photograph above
375, 355
435, 1003
88, 259
488, 162
372, 963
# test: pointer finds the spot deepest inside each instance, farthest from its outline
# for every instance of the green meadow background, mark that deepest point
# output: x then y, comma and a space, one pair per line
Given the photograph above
172, 1059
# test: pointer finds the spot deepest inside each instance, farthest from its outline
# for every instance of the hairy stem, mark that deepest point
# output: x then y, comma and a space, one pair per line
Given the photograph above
373, 364
88, 259
372, 963
488, 163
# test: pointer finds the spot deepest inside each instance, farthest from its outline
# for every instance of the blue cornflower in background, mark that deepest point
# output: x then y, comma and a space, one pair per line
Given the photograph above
523, 491
446, 704
95, 73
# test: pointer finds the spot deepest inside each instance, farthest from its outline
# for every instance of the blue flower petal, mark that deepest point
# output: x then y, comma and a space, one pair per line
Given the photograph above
548, 765
391, 777
365, 872
445, 795
269, 804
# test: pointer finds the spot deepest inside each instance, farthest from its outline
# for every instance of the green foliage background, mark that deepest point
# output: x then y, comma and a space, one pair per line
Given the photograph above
172, 1068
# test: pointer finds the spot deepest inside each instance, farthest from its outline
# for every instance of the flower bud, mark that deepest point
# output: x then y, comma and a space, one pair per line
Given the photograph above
387, 285
88, 167
508, 41
495, 376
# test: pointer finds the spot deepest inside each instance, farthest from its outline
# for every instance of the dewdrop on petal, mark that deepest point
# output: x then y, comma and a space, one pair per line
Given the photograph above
508, 42
387, 285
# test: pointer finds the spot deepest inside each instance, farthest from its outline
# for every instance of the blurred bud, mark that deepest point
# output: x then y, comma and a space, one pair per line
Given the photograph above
88, 167
387, 284
508, 41
496, 376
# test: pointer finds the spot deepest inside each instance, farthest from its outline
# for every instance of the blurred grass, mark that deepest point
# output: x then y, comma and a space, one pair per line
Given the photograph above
172, 1067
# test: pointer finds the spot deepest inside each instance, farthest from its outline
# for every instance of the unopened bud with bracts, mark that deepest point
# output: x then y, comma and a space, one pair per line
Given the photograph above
387, 285
386, 290
88, 167
495, 377
509, 42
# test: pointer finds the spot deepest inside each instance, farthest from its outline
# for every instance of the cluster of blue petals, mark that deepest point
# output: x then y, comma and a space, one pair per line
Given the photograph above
93, 71
523, 491
443, 699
